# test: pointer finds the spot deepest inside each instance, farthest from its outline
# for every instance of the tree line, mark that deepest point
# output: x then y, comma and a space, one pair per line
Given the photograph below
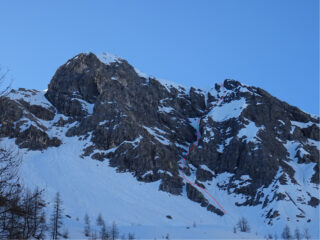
243, 226
101, 231
22, 212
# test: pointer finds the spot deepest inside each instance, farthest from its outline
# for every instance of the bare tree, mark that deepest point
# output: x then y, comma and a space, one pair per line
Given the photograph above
104, 234
243, 225
10, 195
87, 228
297, 234
130, 236
42, 227
10, 190
56, 217
21, 211
9, 167
114, 231
99, 220
3, 77
37, 215
286, 234
33, 217
306, 234
93, 235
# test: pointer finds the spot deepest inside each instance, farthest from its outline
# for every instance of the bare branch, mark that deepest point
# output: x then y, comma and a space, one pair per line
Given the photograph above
3, 78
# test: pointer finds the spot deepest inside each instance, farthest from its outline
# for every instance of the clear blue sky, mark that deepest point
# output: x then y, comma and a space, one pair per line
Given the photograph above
273, 44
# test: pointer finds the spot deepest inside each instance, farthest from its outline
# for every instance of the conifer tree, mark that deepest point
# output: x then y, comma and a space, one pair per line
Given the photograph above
286, 233
114, 231
87, 228
99, 220
56, 217
104, 234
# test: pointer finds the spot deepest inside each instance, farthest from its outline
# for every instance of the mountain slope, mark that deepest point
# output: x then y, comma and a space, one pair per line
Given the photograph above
109, 138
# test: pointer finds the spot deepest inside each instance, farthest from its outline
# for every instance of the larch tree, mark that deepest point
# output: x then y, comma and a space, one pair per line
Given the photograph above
104, 234
243, 225
99, 220
286, 234
87, 227
56, 217
114, 231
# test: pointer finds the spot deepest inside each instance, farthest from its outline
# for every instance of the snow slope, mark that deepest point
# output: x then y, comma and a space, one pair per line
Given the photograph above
88, 186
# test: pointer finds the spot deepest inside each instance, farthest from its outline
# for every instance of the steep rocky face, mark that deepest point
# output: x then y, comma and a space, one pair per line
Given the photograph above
272, 123
262, 138
252, 145
139, 116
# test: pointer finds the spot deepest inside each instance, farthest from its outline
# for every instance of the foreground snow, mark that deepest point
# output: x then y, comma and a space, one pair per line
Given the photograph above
93, 187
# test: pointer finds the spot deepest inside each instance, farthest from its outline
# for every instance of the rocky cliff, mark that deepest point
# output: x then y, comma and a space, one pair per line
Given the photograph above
253, 146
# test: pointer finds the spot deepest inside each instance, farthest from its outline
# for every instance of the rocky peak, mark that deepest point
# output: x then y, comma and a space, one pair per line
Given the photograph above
86, 77
231, 84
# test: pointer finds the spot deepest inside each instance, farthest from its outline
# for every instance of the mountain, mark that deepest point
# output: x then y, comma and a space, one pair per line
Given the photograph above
116, 141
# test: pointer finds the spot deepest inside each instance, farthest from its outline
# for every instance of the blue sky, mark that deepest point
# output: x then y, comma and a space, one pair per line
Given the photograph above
273, 44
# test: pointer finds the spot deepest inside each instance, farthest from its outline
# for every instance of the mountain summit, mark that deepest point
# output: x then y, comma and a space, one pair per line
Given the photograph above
105, 132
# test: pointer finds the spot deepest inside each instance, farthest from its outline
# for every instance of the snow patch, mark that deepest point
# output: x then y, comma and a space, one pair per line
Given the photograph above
87, 106
250, 132
292, 148
108, 58
246, 178
141, 74
314, 143
168, 85
165, 109
303, 125
157, 136
165, 172
226, 111
205, 167
33, 97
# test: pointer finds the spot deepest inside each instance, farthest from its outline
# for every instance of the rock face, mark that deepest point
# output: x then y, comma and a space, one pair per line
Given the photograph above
23, 121
252, 145
127, 111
